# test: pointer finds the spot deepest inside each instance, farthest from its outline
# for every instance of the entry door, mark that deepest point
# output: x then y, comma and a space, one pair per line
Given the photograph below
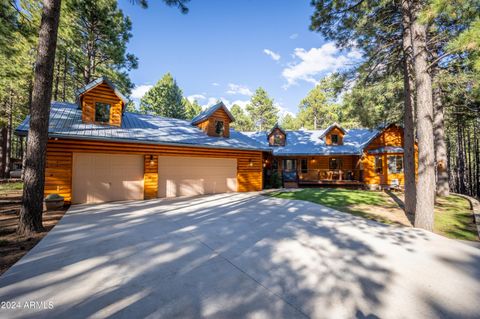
101, 178
189, 176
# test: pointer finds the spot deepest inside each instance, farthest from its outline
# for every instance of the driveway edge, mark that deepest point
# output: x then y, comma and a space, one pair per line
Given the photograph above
475, 206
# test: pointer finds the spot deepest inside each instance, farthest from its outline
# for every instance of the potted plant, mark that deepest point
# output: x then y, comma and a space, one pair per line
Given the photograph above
53, 201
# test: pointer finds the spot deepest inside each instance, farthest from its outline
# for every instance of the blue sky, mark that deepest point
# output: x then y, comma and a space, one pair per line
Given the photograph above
226, 49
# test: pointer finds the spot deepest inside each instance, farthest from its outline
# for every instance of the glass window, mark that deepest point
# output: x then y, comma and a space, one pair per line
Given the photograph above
289, 165
378, 165
335, 163
395, 164
304, 165
277, 139
219, 127
102, 112
334, 138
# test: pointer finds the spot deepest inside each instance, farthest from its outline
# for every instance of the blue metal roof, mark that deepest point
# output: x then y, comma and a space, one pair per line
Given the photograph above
303, 142
208, 112
99, 81
66, 122
386, 149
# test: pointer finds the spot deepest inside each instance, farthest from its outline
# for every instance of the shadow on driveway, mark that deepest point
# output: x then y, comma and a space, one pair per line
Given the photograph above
240, 255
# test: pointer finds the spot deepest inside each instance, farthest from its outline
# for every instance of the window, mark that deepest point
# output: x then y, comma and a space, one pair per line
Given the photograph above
395, 164
335, 163
102, 112
219, 128
378, 165
304, 165
277, 139
289, 165
334, 138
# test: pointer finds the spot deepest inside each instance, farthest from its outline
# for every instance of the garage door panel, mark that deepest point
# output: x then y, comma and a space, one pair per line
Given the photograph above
107, 177
190, 176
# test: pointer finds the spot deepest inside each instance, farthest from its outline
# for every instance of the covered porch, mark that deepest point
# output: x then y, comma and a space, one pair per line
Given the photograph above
331, 170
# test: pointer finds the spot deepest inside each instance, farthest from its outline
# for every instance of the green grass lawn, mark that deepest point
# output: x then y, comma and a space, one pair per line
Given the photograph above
453, 217
8, 187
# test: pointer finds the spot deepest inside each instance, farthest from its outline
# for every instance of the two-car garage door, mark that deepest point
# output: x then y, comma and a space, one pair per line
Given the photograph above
112, 177
101, 178
189, 176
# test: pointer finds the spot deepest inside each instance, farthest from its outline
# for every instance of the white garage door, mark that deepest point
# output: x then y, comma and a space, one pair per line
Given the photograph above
189, 176
101, 178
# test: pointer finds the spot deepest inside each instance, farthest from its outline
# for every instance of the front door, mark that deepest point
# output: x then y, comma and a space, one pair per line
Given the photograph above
290, 165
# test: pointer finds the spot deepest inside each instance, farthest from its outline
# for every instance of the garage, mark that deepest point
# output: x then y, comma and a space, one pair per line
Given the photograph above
190, 176
107, 177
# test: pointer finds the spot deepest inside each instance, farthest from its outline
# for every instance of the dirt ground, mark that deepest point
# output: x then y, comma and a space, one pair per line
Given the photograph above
13, 246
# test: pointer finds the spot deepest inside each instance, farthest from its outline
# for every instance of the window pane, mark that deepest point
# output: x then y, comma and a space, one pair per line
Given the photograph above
378, 165
334, 138
102, 112
219, 128
399, 164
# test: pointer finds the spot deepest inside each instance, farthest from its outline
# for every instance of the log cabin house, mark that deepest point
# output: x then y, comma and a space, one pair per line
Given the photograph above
98, 152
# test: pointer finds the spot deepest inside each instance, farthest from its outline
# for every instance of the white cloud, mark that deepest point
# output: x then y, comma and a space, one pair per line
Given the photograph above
238, 89
282, 111
215, 84
273, 55
197, 97
293, 36
317, 61
139, 91
241, 103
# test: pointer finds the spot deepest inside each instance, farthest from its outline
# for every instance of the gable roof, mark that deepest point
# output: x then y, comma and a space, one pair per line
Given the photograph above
276, 126
331, 127
66, 122
208, 112
96, 83
309, 142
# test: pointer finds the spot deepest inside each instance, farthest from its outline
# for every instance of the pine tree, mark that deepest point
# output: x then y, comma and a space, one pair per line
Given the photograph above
289, 122
164, 99
192, 109
242, 122
262, 111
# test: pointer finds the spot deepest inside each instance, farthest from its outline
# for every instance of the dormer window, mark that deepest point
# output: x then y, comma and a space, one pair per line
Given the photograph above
102, 112
219, 128
277, 139
334, 138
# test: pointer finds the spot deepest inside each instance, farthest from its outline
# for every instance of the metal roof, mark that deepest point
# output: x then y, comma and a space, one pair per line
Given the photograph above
208, 112
66, 122
99, 81
386, 149
310, 142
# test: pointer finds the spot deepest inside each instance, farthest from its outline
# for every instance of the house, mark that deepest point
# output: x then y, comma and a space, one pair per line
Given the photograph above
335, 156
98, 152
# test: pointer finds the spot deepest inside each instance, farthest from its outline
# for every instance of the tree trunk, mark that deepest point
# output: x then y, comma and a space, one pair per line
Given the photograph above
440, 145
424, 109
3, 162
409, 123
57, 82
64, 78
8, 144
460, 160
34, 182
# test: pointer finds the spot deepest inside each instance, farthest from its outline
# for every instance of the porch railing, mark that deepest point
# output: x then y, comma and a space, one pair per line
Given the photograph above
327, 175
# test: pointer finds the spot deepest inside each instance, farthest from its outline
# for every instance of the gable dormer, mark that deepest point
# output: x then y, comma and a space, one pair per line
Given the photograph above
215, 121
333, 135
277, 136
101, 103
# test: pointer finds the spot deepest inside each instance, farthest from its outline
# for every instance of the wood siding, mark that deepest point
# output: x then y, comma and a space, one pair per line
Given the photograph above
59, 161
150, 176
271, 137
104, 94
208, 126
391, 136
334, 131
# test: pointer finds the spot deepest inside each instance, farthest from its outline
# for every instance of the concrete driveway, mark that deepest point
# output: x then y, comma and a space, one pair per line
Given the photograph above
239, 256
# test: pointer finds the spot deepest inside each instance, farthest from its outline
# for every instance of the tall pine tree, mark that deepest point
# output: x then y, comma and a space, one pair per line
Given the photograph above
262, 111
164, 99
